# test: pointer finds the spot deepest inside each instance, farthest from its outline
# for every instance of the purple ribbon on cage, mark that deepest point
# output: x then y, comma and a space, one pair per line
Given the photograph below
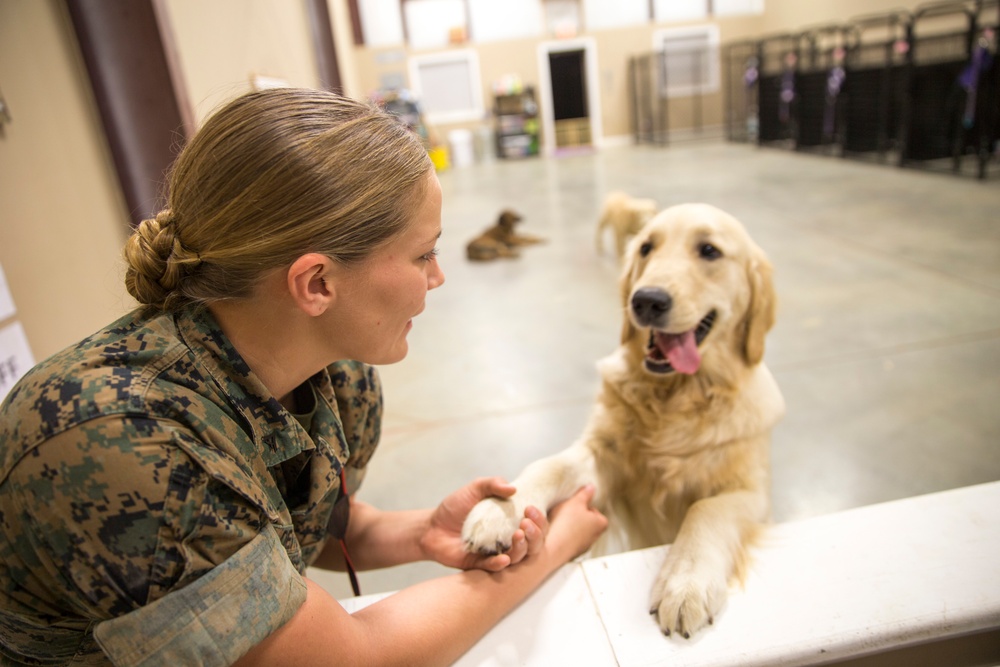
750, 73
787, 94
834, 82
981, 61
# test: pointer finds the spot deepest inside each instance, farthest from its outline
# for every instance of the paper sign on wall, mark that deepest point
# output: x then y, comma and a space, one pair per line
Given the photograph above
15, 357
7, 308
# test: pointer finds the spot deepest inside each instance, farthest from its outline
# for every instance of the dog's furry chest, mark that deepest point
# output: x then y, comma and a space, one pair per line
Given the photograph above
659, 450
665, 462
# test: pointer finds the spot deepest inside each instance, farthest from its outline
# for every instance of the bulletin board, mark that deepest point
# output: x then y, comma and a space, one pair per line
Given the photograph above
15, 353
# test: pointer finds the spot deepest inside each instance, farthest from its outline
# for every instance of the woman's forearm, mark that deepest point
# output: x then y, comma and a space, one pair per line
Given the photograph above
440, 619
431, 623
377, 539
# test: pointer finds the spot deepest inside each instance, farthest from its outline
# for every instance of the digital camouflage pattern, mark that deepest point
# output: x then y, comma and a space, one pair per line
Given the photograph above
157, 502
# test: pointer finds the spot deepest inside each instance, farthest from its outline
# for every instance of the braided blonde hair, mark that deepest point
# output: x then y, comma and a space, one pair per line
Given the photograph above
271, 176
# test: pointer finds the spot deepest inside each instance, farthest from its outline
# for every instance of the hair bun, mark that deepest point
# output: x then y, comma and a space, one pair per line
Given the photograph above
165, 218
157, 261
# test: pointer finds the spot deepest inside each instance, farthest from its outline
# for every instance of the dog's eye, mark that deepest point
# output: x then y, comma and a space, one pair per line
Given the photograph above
645, 248
709, 251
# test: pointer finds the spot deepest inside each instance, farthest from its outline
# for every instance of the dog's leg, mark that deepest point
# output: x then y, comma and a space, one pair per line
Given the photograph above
525, 239
693, 583
491, 523
508, 251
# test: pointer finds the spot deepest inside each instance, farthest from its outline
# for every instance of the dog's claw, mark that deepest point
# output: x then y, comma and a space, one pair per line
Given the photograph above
473, 549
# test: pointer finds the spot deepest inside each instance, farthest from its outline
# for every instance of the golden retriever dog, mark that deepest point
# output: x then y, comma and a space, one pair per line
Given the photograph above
625, 216
677, 442
500, 240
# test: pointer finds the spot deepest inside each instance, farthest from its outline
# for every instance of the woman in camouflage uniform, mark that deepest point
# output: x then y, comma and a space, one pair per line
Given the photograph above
165, 483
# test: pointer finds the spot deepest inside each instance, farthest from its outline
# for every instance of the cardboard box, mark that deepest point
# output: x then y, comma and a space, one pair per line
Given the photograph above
573, 132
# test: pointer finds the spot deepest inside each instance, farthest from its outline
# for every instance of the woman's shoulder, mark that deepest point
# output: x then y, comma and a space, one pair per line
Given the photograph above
135, 366
102, 369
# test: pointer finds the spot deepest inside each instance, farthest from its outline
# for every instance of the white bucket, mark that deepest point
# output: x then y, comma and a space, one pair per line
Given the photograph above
462, 148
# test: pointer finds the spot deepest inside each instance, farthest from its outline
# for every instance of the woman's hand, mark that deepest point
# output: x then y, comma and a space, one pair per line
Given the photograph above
443, 543
575, 525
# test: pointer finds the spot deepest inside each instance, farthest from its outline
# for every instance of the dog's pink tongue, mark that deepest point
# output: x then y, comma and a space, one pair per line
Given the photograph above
681, 350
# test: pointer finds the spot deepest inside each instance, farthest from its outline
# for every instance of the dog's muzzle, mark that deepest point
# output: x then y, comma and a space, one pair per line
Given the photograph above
650, 305
669, 352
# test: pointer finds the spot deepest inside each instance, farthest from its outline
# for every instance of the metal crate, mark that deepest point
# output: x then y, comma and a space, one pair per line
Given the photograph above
776, 89
941, 38
819, 80
741, 78
874, 91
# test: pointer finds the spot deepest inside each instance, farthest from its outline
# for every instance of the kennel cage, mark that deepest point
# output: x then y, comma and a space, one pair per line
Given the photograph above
919, 89
649, 108
941, 39
741, 64
668, 91
778, 55
819, 80
874, 89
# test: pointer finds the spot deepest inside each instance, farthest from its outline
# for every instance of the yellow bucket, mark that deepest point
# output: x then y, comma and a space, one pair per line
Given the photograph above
439, 156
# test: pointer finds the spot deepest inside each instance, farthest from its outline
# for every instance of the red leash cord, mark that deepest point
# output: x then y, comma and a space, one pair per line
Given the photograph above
340, 517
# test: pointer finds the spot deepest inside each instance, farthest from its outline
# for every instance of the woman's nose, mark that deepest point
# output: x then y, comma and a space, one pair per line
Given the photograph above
436, 277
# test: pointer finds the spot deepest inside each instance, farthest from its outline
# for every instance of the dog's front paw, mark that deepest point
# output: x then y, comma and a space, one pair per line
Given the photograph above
687, 595
490, 526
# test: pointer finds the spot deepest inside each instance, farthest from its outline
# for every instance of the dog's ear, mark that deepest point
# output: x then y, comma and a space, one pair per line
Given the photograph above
625, 281
761, 311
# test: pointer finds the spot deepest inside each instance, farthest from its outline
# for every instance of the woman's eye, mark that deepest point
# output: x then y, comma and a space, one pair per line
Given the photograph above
430, 256
709, 251
645, 248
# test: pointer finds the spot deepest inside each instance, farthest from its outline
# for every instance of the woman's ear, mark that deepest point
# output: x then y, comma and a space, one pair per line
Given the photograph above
309, 283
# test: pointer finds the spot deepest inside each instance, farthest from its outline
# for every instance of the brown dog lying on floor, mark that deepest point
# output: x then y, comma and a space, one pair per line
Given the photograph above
677, 442
625, 216
500, 240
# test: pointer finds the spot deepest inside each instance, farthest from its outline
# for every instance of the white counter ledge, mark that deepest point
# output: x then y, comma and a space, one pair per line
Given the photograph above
831, 589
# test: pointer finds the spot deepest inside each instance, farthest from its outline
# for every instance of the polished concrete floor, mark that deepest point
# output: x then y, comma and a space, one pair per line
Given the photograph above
887, 346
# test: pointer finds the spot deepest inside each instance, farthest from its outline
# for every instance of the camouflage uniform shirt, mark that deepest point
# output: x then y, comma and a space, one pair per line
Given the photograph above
158, 506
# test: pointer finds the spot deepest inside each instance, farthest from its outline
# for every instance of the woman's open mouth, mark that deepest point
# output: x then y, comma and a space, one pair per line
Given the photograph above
669, 352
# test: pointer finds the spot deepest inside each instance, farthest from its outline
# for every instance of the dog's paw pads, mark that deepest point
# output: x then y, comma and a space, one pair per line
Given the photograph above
684, 604
490, 527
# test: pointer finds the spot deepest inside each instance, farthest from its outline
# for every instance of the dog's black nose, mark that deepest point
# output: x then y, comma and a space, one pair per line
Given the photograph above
650, 304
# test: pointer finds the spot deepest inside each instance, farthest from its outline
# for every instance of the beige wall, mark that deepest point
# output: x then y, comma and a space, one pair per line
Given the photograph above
62, 217
223, 44
791, 15
62, 221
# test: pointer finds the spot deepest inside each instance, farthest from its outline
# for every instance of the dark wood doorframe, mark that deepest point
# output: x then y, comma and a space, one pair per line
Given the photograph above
324, 45
124, 54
